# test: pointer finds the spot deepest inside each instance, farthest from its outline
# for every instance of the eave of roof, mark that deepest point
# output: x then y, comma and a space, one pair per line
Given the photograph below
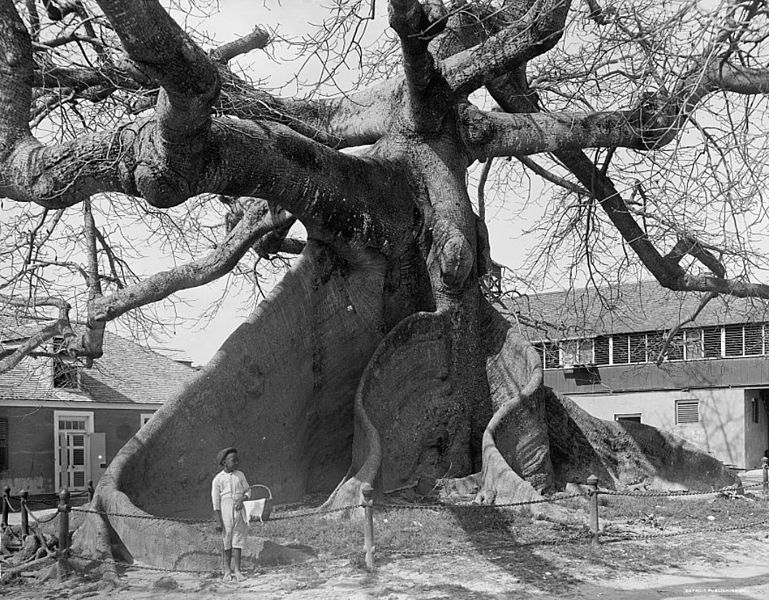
644, 306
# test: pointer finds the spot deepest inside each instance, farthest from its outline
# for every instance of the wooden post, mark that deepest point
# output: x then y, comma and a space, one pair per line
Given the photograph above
90, 491
64, 509
368, 524
592, 483
24, 514
6, 500
765, 466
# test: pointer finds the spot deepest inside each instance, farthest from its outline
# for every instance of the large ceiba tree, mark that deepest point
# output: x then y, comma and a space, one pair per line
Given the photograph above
377, 358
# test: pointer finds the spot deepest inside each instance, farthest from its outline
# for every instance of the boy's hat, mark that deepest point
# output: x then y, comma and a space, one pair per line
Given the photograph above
223, 454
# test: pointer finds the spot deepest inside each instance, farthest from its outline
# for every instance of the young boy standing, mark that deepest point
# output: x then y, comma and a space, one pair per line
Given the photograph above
228, 491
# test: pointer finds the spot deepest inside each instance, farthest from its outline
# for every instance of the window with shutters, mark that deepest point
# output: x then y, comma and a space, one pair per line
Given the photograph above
693, 344
676, 347
620, 354
601, 350
754, 339
637, 347
687, 411
552, 355
733, 345
3, 444
711, 339
577, 352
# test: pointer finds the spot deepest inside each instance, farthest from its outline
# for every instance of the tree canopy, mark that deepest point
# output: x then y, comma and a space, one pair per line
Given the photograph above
106, 109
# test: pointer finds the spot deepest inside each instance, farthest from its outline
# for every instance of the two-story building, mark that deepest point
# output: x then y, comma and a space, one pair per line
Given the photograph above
607, 351
61, 423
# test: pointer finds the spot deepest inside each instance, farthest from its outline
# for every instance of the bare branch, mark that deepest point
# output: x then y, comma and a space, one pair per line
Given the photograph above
552, 177
257, 39
256, 222
668, 338
60, 327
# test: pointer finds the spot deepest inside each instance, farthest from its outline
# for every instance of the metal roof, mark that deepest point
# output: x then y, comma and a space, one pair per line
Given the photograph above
643, 306
127, 373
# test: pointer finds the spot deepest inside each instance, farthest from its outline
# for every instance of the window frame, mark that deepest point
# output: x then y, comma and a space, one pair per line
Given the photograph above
628, 417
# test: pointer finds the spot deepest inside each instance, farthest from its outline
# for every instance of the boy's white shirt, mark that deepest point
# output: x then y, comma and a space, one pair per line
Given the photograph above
228, 486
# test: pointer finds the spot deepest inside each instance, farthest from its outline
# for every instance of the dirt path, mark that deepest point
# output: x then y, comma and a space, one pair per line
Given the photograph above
545, 574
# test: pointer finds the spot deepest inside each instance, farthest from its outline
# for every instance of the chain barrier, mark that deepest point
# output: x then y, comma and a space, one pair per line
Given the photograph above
261, 568
672, 494
482, 506
617, 536
434, 506
41, 520
146, 517
10, 506
300, 515
279, 517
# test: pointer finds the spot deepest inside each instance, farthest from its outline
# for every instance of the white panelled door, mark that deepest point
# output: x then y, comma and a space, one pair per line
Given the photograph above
73, 451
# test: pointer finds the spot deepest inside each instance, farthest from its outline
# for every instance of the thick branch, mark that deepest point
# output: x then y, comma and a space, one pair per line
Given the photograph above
327, 190
533, 34
156, 43
505, 134
415, 25
256, 222
257, 39
16, 67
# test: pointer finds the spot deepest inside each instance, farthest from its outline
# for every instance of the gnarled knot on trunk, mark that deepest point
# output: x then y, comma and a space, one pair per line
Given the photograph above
656, 117
454, 254
424, 20
474, 126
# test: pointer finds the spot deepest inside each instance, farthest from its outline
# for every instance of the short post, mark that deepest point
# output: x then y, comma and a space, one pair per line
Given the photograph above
592, 483
368, 524
24, 514
64, 509
90, 491
6, 500
765, 466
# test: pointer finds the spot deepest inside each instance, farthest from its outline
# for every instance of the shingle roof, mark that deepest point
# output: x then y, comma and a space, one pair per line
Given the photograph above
127, 373
644, 306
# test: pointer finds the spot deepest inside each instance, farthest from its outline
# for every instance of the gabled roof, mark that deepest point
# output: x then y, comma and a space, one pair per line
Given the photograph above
643, 306
127, 373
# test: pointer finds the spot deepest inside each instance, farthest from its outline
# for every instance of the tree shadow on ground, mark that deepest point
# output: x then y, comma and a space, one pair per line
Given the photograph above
492, 532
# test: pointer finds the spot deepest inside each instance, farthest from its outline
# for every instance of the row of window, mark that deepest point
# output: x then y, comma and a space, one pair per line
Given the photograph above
749, 339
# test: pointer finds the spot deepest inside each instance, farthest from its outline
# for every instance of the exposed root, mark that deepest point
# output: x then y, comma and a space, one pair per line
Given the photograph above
396, 420
280, 389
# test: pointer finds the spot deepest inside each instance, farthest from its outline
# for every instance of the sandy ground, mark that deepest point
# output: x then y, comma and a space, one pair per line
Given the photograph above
745, 575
